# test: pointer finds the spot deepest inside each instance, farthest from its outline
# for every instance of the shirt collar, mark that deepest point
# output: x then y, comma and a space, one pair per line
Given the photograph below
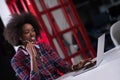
25, 52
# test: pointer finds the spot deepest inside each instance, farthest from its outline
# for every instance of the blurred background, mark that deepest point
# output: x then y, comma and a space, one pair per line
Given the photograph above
71, 27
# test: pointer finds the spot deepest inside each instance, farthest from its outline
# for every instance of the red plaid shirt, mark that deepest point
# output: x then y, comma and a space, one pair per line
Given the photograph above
48, 63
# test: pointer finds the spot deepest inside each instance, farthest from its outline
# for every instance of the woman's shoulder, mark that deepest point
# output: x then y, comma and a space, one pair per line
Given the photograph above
19, 55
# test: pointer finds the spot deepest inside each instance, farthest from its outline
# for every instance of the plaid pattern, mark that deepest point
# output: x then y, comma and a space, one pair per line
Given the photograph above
48, 63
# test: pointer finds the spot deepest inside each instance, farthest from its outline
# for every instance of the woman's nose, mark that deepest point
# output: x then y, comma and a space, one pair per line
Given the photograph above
32, 33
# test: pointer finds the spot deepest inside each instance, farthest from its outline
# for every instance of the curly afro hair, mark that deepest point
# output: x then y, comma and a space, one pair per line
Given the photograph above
14, 26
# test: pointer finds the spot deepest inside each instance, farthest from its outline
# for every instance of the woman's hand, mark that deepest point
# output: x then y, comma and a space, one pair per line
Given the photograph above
82, 64
30, 47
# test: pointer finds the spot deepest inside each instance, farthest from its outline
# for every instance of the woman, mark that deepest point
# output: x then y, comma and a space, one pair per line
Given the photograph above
34, 61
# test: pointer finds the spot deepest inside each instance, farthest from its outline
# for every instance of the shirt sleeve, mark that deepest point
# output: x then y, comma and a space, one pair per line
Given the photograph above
22, 71
59, 63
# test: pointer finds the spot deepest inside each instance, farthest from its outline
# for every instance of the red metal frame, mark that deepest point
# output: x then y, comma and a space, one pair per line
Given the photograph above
24, 6
54, 27
16, 8
83, 31
73, 30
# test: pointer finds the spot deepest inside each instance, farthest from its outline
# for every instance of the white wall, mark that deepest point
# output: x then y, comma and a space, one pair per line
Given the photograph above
4, 12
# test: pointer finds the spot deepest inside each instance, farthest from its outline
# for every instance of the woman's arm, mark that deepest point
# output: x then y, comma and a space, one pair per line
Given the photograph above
58, 62
63, 65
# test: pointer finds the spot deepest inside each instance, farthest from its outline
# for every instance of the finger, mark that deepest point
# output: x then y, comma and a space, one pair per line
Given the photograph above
86, 61
80, 65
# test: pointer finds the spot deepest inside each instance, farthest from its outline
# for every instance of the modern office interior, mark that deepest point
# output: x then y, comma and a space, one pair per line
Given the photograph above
96, 17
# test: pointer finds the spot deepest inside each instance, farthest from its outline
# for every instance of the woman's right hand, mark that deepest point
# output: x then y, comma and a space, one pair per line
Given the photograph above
30, 47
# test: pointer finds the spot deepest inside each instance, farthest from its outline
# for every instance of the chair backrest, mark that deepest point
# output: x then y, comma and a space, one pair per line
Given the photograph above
115, 33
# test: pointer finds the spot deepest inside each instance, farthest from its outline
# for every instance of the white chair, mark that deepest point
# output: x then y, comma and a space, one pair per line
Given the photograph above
115, 33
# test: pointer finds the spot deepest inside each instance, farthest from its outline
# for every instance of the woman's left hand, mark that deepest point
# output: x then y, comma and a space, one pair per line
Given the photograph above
82, 63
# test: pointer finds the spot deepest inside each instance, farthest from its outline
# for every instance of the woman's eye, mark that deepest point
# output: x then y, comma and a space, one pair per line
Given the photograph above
26, 32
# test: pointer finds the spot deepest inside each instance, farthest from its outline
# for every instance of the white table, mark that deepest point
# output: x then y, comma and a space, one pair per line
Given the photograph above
109, 69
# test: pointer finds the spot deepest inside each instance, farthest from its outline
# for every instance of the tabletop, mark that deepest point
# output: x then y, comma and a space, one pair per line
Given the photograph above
109, 69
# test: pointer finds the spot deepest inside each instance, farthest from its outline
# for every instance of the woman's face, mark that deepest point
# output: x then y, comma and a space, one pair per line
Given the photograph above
28, 33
